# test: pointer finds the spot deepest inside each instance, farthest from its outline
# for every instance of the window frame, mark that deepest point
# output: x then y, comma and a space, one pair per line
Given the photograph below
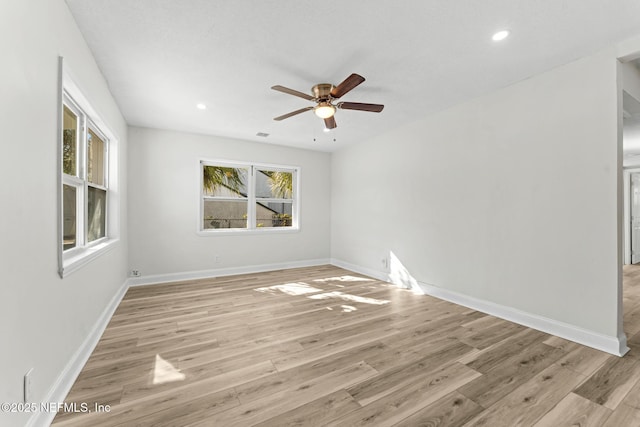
88, 184
251, 198
74, 181
72, 259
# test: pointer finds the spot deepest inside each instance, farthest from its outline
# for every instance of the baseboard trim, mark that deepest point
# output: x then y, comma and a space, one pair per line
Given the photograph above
613, 345
219, 272
362, 270
61, 387
610, 344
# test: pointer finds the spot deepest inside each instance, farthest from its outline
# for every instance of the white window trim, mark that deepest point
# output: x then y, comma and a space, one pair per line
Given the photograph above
295, 225
74, 259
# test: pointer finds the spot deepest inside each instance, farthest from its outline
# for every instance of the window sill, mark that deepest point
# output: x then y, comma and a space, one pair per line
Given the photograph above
244, 231
78, 260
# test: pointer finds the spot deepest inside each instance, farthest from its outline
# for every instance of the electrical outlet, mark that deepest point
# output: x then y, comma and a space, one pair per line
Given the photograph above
135, 273
216, 258
27, 386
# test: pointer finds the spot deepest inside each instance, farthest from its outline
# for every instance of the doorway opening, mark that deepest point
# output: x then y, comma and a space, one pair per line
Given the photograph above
629, 283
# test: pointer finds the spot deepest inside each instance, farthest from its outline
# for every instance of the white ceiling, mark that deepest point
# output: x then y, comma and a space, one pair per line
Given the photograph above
162, 57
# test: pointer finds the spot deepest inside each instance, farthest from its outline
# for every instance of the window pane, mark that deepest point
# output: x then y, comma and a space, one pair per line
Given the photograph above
274, 214
224, 214
274, 184
69, 197
224, 181
97, 213
95, 158
69, 141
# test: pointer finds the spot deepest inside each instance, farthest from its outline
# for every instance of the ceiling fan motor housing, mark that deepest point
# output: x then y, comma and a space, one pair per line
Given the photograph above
322, 91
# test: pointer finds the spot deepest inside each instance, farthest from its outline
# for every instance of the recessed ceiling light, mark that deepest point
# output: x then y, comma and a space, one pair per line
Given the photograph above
201, 106
500, 35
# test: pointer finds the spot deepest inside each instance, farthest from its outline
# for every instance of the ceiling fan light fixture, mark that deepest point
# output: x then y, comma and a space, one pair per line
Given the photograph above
324, 110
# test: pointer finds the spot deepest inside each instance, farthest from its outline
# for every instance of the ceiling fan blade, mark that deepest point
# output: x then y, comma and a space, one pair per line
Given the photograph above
292, 92
293, 113
349, 83
330, 122
374, 108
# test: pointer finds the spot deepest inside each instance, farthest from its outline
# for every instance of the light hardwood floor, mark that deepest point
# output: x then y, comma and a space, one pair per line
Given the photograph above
325, 346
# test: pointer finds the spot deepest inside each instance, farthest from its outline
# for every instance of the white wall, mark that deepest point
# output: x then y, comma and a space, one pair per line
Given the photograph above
44, 320
631, 78
164, 203
510, 198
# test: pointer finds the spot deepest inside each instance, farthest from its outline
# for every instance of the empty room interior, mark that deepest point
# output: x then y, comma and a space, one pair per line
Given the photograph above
320, 213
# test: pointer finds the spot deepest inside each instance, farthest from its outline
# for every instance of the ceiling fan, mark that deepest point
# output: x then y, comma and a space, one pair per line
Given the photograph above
324, 95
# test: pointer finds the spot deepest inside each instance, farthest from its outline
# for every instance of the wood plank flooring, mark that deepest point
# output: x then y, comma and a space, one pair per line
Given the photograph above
324, 346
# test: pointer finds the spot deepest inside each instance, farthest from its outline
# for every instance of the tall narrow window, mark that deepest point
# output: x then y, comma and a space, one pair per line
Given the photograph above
69, 162
96, 186
84, 179
248, 197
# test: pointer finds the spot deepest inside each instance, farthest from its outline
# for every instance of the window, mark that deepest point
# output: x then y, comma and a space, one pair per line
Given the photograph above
248, 197
84, 180
86, 228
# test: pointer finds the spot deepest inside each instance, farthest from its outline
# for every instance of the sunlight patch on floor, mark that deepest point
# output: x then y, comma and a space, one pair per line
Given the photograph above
348, 297
165, 372
344, 279
290, 289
